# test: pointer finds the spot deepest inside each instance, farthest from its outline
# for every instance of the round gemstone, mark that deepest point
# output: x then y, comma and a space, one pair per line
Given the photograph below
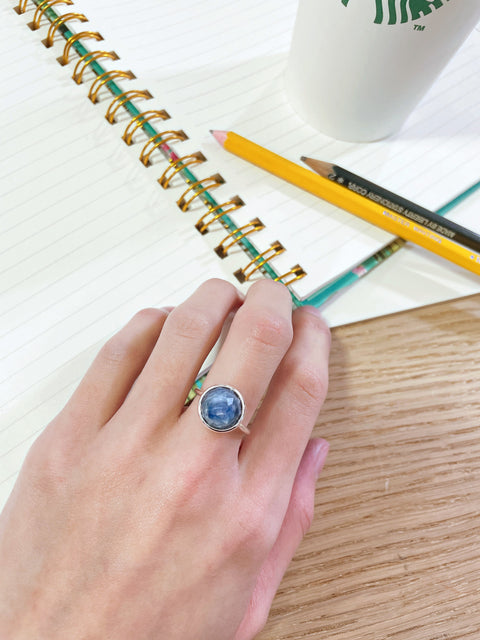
221, 408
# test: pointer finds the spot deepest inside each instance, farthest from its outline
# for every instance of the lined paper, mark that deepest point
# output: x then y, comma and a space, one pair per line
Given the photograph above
220, 65
88, 238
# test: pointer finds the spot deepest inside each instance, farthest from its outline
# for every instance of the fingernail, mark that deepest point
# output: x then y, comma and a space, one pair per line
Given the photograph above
320, 455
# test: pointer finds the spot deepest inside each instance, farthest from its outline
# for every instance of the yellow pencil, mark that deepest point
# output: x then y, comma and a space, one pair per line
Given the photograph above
370, 211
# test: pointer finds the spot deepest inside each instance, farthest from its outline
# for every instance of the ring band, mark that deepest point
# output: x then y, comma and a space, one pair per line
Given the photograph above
221, 408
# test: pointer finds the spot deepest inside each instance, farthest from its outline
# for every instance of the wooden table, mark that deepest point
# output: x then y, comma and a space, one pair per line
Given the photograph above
394, 551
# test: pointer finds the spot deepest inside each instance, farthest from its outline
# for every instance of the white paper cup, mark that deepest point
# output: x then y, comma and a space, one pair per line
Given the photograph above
357, 68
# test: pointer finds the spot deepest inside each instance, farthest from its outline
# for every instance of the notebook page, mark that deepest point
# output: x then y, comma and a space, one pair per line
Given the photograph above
220, 65
87, 239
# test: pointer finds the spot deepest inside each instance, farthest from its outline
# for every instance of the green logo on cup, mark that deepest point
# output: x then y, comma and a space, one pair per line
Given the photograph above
402, 10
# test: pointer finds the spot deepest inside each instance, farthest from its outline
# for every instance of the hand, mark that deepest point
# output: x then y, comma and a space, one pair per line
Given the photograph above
131, 520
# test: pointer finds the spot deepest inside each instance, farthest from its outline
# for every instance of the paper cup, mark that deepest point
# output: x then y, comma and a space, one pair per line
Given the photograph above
357, 68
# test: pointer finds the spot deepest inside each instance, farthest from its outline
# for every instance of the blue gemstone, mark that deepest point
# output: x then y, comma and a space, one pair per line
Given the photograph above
221, 408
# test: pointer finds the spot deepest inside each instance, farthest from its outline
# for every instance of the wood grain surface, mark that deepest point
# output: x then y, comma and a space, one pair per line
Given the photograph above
394, 550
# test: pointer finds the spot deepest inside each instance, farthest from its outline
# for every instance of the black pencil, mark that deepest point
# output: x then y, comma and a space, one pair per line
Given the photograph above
389, 200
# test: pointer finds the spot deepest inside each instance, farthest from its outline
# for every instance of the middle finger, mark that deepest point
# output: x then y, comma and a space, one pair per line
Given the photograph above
259, 337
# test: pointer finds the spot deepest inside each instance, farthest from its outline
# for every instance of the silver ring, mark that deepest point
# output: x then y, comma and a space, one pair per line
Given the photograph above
221, 408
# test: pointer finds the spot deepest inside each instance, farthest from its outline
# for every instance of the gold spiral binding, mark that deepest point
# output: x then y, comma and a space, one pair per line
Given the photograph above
89, 58
179, 164
63, 59
41, 8
22, 7
48, 41
220, 210
251, 227
156, 141
295, 272
122, 98
105, 77
199, 187
137, 121
275, 249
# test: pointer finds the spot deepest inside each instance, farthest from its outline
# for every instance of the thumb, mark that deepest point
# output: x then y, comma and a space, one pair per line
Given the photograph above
298, 519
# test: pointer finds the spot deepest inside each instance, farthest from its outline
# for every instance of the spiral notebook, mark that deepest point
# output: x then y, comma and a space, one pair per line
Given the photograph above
115, 197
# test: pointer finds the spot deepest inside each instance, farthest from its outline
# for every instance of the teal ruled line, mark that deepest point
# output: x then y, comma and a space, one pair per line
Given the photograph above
460, 198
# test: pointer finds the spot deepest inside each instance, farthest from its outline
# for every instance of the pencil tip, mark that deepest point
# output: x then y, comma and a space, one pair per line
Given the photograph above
220, 136
303, 158
319, 166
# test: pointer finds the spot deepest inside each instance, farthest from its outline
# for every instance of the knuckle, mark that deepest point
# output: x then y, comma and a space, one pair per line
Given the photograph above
315, 323
49, 461
271, 330
117, 349
193, 324
309, 384
127, 343
250, 531
193, 489
188, 489
254, 532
